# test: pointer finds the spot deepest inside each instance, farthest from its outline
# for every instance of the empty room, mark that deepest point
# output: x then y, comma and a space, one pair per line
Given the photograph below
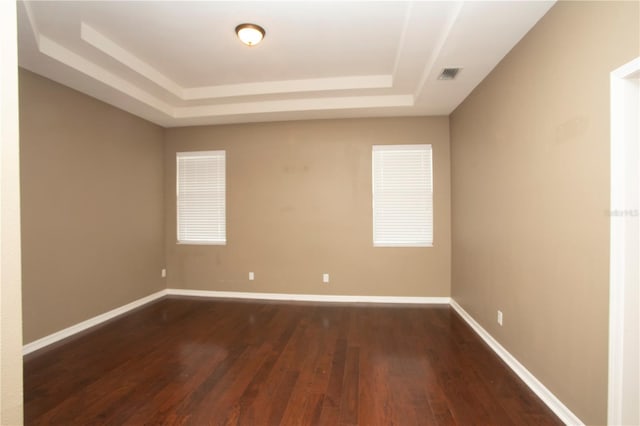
319, 213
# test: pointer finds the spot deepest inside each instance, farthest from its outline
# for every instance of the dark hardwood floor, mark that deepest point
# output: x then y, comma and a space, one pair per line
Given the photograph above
210, 362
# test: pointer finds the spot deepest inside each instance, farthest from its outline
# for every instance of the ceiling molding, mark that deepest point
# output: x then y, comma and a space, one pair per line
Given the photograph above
289, 86
101, 42
62, 54
33, 24
403, 36
435, 54
87, 59
307, 104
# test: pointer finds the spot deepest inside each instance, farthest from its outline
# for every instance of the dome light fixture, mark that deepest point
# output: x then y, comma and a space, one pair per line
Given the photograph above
250, 34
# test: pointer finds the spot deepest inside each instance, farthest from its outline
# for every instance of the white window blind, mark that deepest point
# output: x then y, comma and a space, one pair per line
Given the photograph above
201, 197
402, 195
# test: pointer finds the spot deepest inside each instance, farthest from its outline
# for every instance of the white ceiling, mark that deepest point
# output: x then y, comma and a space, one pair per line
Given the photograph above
179, 63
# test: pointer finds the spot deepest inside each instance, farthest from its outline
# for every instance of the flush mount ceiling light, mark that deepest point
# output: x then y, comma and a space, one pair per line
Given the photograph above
250, 34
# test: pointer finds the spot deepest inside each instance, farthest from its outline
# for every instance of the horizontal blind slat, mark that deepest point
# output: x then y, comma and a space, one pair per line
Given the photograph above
201, 196
402, 195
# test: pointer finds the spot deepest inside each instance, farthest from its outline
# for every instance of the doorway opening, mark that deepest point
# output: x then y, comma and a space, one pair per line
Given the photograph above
624, 295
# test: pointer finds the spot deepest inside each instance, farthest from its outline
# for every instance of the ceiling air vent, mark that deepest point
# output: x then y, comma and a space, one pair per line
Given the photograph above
449, 73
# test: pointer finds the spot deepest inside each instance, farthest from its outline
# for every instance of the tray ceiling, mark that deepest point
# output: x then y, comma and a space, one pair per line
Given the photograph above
179, 63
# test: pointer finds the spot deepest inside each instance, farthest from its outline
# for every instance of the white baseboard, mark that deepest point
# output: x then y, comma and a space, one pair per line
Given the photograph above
529, 379
70, 331
309, 297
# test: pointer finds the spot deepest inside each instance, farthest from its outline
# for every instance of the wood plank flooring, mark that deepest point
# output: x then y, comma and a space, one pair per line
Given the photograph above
185, 361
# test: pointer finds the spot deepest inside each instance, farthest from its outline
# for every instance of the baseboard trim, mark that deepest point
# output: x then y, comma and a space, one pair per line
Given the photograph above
91, 322
527, 377
309, 297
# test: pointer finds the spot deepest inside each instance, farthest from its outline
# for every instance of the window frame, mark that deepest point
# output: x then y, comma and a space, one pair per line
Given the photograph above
215, 155
378, 241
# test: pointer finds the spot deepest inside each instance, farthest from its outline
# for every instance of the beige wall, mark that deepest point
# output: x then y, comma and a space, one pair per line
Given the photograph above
530, 184
530, 155
92, 206
299, 205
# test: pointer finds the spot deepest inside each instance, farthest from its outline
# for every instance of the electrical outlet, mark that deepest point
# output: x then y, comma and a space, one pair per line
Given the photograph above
163, 273
500, 318
325, 278
251, 276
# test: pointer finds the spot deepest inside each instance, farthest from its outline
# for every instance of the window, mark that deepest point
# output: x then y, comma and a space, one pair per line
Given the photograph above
402, 196
201, 202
